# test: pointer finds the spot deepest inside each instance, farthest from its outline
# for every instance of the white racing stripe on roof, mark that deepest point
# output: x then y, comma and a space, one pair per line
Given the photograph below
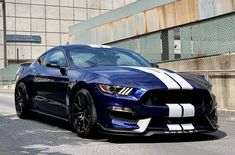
105, 46
93, 45
99, 46
183, 83
169, 82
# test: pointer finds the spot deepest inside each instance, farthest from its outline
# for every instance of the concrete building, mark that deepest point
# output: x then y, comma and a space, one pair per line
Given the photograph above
195, 36
34, 26
164, 29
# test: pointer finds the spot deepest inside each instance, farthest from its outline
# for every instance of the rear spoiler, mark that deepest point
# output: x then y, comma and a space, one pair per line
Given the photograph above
26, 64
22, 69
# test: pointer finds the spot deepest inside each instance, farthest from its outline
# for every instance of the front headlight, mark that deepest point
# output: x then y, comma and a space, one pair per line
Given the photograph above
116, 90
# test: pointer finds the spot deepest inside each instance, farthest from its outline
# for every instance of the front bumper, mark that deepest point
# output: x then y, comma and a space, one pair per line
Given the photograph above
160, 125
142, 119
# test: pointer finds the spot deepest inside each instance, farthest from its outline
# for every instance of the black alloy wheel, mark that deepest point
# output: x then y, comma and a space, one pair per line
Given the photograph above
84, 117
21, 101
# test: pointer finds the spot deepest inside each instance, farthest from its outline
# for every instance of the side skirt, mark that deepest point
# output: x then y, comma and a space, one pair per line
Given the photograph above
43, 113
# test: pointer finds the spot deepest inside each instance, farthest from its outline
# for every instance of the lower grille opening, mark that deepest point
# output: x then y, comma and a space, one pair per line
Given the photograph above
167, 120
128, 120
160, 123
124, 117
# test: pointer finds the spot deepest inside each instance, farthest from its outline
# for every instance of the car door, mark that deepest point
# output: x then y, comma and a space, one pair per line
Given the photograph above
51, 83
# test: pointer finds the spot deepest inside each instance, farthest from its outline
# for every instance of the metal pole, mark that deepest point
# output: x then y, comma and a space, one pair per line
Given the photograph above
4, 32
17, 54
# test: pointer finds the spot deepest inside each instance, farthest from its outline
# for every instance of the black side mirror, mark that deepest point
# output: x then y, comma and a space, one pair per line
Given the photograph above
52, 65
155, 65
63, 70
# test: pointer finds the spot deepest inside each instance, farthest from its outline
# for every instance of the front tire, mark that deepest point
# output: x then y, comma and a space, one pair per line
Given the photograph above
22, 101
84, 117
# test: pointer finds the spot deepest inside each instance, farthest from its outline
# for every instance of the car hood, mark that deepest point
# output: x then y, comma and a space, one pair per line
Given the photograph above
145, 77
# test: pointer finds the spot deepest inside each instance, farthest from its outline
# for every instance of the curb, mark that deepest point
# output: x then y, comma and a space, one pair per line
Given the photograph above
7, 90
227, 113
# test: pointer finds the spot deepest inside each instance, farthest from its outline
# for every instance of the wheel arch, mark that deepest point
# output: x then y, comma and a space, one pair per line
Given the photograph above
74, 89
26, 82
20, 81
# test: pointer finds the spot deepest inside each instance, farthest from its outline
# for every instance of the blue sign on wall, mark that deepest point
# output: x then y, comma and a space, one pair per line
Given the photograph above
23, 38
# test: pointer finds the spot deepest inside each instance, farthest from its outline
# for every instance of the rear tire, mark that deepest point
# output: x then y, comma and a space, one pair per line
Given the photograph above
22, 101
84, 116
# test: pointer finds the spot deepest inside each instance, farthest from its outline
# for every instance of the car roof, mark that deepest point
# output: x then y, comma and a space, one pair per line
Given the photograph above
87, 46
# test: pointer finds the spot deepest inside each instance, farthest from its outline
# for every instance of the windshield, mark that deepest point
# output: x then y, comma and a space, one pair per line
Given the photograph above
106, 57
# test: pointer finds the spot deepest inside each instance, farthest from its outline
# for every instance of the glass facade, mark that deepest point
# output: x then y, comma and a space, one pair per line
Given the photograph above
49, 19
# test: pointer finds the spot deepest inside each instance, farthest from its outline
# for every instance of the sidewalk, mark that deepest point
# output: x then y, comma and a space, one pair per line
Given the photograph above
7, 88
228, 113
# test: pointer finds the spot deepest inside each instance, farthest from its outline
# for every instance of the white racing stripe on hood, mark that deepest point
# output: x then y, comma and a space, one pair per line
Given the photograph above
169, 82
183, 83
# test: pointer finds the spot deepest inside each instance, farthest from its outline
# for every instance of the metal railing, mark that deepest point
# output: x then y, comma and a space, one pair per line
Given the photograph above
7, 75
210, 37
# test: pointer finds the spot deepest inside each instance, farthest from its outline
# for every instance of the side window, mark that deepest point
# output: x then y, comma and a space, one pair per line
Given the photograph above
55, 57
41, 60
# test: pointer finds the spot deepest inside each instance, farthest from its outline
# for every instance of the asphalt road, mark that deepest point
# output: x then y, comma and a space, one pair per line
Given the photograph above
44, 135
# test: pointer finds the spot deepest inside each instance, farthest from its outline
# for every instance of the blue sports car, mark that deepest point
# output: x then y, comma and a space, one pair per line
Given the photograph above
98, 88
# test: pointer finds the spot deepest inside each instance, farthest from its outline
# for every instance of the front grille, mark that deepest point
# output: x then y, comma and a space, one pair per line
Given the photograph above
195, 97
